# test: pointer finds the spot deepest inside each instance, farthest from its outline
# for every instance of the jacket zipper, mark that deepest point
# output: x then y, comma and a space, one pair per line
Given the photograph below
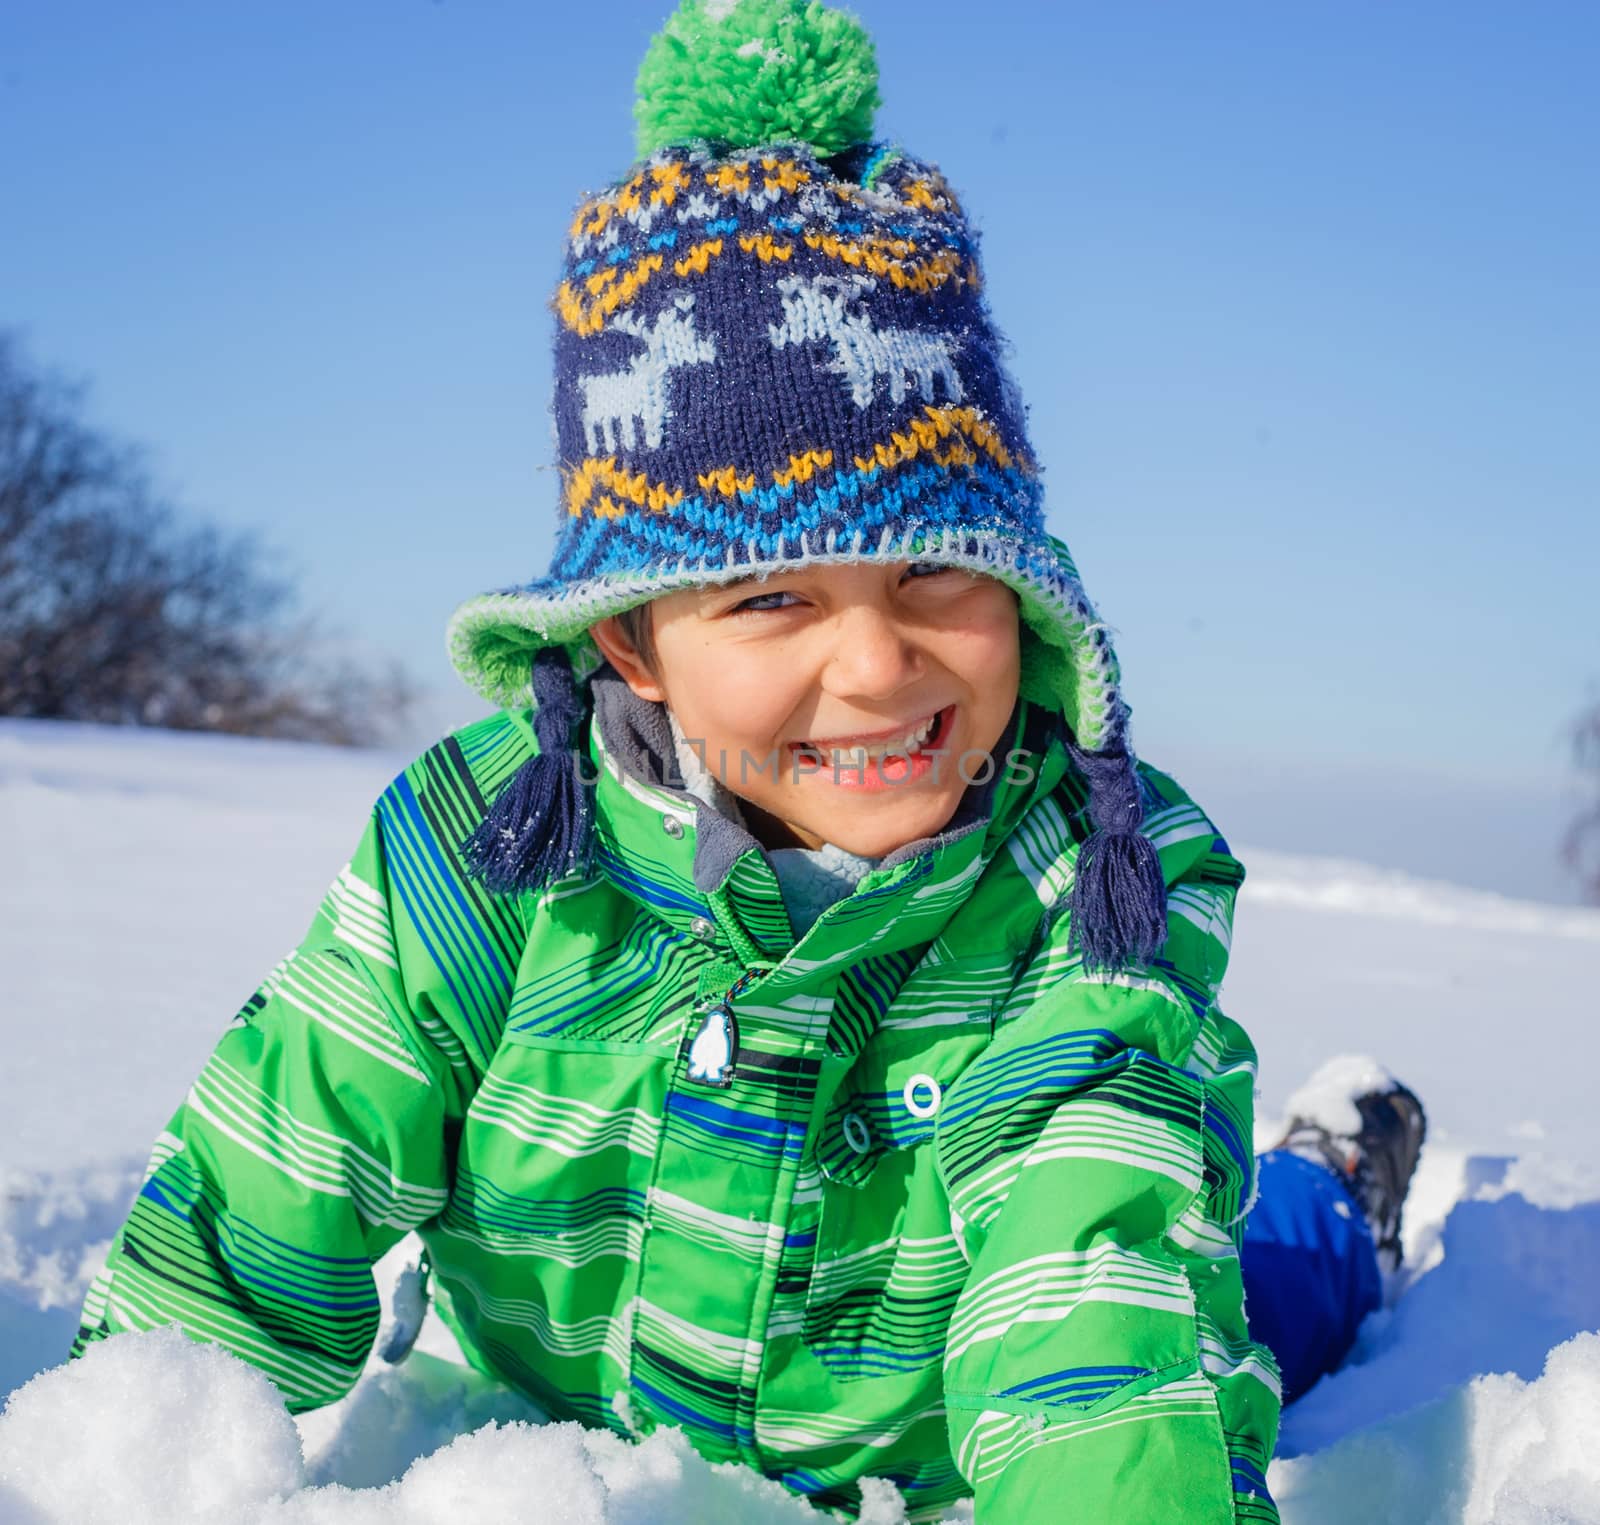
714, 1049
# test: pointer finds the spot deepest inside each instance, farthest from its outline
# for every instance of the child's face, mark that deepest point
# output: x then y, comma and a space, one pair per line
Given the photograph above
759, 672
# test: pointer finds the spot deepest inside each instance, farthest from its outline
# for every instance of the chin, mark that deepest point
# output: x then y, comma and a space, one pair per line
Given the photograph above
883, 838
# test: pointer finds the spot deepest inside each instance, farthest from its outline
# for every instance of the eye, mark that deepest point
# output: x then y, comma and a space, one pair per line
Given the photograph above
756, 605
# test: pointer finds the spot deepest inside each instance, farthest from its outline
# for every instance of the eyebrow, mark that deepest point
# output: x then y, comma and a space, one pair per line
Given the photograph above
717, 588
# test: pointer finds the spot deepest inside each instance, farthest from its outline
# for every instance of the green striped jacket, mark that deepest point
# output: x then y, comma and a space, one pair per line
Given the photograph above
965, 1216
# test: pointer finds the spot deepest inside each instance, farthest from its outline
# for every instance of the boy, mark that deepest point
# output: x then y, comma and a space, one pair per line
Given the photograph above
799, 1023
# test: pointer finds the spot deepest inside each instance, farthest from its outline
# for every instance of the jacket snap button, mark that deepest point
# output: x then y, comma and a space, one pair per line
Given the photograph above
672, 825
856, 1134
922, 1096
705, 930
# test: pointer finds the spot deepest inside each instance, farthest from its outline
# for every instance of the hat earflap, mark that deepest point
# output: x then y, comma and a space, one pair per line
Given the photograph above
540, 828
1119, 893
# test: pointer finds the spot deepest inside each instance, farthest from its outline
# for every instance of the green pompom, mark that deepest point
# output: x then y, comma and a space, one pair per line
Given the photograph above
758, 71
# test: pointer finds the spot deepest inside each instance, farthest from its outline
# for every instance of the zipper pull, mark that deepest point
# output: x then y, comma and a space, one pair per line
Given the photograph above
712, 1051
715, 1045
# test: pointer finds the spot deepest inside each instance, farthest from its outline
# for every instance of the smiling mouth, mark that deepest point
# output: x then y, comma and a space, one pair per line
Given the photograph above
921, 738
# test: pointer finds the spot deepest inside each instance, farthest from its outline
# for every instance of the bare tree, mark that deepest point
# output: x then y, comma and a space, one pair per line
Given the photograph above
115, 609
1582, 847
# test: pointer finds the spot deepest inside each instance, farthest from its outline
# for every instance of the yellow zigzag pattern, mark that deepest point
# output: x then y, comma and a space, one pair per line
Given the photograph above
931, 194
614, 288
802, 468
666, 180
661, 184
891, 257
604, 475
727, 481
608, 289
962, 431
922, 435
733, 178
765, 247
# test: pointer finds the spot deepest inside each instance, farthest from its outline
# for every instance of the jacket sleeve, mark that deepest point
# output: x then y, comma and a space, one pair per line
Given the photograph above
1099, 1164
319, 1131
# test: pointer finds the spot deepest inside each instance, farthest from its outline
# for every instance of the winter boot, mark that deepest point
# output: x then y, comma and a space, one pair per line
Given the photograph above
1354, 1117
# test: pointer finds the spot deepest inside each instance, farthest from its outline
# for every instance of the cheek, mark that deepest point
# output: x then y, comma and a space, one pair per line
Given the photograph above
986, 651
734, 699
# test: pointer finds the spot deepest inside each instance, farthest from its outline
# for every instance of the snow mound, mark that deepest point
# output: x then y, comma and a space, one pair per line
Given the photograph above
146, 1427
1500, 1451
1510, 1281
153, 1427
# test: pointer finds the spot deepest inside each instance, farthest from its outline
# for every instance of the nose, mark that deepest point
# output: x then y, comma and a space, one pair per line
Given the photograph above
873, 655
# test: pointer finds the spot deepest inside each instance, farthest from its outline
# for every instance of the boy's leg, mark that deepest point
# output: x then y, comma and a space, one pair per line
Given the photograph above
1328, 1215
1310, 1268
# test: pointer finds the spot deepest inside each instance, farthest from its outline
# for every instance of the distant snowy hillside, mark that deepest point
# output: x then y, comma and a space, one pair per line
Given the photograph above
1483, 823
153, 879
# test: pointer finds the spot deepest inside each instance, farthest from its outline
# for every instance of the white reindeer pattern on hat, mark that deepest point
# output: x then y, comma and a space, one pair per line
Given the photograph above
616, 402
814, 309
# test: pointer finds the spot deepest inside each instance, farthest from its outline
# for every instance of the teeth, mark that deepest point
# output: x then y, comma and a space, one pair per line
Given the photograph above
859, 756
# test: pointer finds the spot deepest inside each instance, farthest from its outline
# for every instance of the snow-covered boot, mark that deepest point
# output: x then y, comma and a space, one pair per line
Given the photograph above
1354, 1117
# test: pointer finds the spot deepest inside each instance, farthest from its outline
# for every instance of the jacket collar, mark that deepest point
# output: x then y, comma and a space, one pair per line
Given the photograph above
670, 850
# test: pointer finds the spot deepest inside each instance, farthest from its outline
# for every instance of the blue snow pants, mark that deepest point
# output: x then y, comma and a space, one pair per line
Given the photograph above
1310, 1268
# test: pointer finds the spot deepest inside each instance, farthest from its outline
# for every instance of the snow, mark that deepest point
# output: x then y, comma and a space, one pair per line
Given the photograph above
1329, 1096
1494, 1451
1335, 884
154, 880
1494, 1289
184, 1434
176, 1431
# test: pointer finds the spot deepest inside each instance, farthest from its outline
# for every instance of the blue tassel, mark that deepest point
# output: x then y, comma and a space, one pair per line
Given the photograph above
540, 828
1119, 894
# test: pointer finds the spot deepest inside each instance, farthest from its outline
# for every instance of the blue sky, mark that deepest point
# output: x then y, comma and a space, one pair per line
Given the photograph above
1303, 298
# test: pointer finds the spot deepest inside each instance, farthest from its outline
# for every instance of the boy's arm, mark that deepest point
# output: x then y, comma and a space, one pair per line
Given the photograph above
319, 1132
1099, 1164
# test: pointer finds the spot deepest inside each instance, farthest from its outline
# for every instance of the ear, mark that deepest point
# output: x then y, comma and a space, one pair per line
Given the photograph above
621, 653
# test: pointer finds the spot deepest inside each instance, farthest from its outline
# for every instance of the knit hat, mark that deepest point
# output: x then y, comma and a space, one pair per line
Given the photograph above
773, 352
